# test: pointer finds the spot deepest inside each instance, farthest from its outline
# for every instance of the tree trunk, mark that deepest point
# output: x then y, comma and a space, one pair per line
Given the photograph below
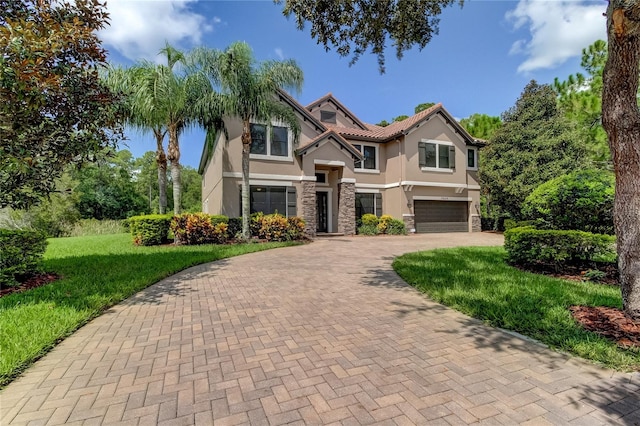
246, 206
621, 120
174, 158
161, 160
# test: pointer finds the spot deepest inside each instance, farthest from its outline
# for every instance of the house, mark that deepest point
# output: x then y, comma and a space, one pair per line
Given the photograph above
422, 170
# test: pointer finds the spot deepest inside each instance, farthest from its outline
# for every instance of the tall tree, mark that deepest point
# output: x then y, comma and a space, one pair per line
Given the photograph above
481, 126
142, 111
54, 111
413, 22
621, 120
580, 97
535, 144
248, 91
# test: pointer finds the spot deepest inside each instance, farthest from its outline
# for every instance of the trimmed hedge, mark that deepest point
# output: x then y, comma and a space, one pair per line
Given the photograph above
527, 246
20, 254
199, 228
149, 230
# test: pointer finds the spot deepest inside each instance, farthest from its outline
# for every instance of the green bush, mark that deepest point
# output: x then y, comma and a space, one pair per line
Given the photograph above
368, 229
235, 226
581, 200
551, 248
219, 218
369, 219
396, 227
149, 230
199, 228
511, 223
20, 254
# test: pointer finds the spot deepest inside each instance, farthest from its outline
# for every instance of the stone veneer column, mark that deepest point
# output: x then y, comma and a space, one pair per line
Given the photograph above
309, 207
409, 223
347, 208
476, 223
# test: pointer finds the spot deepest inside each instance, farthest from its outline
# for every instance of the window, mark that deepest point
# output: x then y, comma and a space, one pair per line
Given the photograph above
269, 140
368, 203
321, 177
272, 199
437, 155
472, 159
328, 117
369, 154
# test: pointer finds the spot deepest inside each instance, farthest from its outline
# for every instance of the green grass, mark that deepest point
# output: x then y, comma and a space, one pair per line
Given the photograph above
478, 282
97, 272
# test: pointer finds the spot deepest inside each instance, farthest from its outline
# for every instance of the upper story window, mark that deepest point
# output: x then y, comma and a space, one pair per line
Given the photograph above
328, 116
370, 154
472, 159
269, 140
436, 155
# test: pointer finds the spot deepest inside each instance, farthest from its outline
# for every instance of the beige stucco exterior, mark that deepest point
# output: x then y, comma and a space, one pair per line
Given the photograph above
328, 151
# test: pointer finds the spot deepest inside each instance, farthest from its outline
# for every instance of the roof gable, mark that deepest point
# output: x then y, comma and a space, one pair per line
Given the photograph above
332, 135
329, 98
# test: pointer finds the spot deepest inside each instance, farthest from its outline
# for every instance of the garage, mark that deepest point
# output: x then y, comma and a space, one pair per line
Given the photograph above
441, 216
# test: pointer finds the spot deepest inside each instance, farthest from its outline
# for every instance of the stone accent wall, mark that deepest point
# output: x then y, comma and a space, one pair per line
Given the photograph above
309, 208
409, 223
347, 208
476, 224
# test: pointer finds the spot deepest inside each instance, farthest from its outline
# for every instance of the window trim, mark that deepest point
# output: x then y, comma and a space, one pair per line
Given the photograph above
361, 169
326, 177
268, 156
288, 190
326, 111
438, 169
475, 158
377, 198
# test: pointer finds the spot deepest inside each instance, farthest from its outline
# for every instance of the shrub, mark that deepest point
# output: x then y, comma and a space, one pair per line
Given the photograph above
295, 229
219, 218
20, 254
149, 230
369, 219
273, 227
383, 223
368, 229
235, 226
551, 248
255, 223
511, 223
581, 200
199, 228
396, 227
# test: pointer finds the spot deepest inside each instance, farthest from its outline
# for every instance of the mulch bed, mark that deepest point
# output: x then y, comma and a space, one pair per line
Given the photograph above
611, 323
31, 282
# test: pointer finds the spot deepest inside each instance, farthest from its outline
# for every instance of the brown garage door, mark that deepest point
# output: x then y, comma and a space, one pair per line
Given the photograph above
441, 216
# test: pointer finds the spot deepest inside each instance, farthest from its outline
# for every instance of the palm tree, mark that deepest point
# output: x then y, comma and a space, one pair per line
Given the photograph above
248, 91
140, 112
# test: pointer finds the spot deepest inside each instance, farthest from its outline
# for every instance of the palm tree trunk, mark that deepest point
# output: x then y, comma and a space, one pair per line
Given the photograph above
621, 120
161, 160
174, 158
246, 207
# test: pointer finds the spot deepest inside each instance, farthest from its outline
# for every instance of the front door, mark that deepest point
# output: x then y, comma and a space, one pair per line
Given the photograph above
322, 201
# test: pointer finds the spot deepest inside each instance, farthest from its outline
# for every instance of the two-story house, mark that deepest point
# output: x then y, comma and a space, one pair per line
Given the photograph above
422, 170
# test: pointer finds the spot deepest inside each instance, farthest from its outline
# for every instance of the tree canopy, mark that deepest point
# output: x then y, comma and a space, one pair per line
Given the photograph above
55, 111
355, 27
535, 144
481, 126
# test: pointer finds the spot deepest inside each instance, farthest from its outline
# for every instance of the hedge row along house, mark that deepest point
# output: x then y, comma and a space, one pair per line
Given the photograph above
422, 169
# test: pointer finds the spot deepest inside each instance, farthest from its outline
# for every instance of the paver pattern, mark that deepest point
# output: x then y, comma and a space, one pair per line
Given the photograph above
316, 334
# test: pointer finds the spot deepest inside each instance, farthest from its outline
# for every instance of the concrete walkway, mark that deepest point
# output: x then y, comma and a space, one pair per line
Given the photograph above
316, 334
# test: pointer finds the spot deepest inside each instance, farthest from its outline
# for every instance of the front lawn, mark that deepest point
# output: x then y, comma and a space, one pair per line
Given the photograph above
97, 272
478, 282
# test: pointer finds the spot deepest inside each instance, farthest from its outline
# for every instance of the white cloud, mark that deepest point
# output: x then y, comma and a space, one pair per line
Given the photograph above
139, 29
559, 30
279, 53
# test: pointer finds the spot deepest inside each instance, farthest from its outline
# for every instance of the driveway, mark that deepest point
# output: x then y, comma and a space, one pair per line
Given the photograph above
314, 334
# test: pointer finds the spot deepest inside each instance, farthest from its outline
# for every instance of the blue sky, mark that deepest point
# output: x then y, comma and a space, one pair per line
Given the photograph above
483, 57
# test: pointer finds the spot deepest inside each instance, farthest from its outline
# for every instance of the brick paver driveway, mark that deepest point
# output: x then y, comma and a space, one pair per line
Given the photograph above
322, 333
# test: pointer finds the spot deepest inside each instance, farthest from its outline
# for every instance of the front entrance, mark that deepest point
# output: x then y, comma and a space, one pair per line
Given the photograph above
322, 210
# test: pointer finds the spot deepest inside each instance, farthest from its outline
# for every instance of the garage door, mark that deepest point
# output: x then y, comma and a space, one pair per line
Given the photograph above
441, 216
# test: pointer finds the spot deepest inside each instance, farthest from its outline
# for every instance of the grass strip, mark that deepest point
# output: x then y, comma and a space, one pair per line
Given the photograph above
97, 272
477, 282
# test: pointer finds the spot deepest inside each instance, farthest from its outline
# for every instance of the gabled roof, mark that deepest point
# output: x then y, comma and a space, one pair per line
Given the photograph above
330, 98
383, 134
306, 114
330, 134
